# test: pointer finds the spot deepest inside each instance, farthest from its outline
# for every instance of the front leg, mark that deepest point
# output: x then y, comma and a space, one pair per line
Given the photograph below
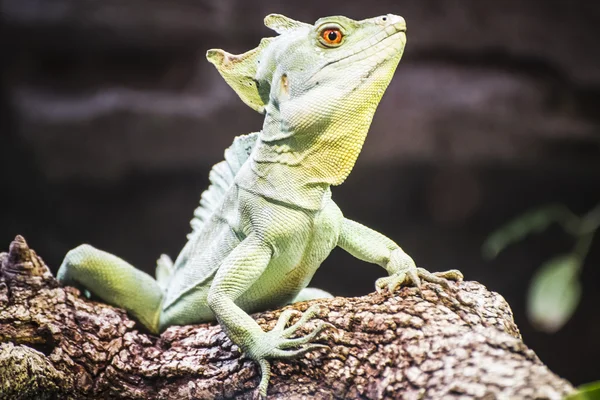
371, 246
239, 271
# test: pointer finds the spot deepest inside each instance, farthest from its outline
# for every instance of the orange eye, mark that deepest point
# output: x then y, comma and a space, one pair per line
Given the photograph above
332, 36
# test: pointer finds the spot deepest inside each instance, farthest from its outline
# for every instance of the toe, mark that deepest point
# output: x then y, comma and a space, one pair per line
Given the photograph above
290, 343
281, 353
283, 320
429, 277
306, 316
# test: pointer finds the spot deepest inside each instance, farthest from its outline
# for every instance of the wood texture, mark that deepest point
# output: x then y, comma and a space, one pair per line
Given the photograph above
54, 343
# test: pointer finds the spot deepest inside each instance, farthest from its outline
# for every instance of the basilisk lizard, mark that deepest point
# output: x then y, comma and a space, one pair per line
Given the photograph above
268, 221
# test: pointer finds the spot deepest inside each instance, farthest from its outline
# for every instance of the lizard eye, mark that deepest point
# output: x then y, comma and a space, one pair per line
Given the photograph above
331, 36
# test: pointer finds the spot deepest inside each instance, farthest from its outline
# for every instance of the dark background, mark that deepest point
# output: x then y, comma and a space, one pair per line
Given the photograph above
110, 119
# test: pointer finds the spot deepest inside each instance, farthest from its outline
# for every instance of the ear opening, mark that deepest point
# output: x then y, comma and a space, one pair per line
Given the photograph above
239, 72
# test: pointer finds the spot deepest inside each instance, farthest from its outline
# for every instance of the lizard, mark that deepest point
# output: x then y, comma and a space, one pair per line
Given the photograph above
267, 220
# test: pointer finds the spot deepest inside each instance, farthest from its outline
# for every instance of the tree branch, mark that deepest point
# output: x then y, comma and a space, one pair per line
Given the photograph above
55, 343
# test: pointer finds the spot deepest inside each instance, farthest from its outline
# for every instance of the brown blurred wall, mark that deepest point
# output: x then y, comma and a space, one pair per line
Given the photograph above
110, 119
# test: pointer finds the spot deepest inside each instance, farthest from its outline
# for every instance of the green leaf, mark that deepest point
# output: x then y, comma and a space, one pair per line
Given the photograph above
534, 221
554, 293
589, 391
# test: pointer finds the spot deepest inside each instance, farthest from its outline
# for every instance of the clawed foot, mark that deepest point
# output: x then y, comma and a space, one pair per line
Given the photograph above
277, 344
408, 273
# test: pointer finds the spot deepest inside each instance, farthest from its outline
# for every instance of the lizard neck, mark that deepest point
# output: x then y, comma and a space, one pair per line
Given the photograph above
282, 183
297, 165
319, 154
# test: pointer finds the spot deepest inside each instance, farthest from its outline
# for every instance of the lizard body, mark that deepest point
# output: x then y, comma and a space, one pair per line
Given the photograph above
268, 221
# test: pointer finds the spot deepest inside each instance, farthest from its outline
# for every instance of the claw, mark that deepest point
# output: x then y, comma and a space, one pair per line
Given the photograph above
441, 278
429, 277
284, 318
391, 287
299, 352
275, 343
404, 268
308, 314
379, 286
307, 338
265, 373
414, 277
453, 274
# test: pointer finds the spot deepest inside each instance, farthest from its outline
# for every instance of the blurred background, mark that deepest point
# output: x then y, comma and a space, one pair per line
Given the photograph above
110, 119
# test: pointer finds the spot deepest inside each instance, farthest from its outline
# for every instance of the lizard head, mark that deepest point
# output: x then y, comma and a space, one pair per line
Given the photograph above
335, 58
320, 83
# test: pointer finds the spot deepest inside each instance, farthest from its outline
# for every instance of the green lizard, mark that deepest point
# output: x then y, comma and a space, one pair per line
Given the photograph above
267, 221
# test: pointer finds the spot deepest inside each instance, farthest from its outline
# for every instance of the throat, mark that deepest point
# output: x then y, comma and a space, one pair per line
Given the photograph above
298, 166
283, 184
325, 157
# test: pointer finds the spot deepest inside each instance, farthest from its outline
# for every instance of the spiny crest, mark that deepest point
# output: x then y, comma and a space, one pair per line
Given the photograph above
239, 71
221, 178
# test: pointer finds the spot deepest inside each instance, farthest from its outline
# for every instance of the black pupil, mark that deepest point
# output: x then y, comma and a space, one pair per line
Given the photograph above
332, 35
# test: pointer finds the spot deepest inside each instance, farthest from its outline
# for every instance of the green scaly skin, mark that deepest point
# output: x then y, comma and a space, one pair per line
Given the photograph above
268, 221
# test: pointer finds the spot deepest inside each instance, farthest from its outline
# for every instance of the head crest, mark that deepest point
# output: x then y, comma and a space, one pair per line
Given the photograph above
281, 24
239, 72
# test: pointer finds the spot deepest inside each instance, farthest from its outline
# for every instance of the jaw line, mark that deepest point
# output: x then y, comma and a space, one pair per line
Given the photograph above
361, 52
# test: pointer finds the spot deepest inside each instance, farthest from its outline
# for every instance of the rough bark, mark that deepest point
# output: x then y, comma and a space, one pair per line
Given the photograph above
54, 343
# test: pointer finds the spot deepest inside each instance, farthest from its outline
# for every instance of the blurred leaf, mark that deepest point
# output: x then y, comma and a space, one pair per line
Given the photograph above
589, 391
554, 293
534, 221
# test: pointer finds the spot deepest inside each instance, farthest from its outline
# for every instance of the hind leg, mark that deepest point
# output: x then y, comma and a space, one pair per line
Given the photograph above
114, 281
311, 293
